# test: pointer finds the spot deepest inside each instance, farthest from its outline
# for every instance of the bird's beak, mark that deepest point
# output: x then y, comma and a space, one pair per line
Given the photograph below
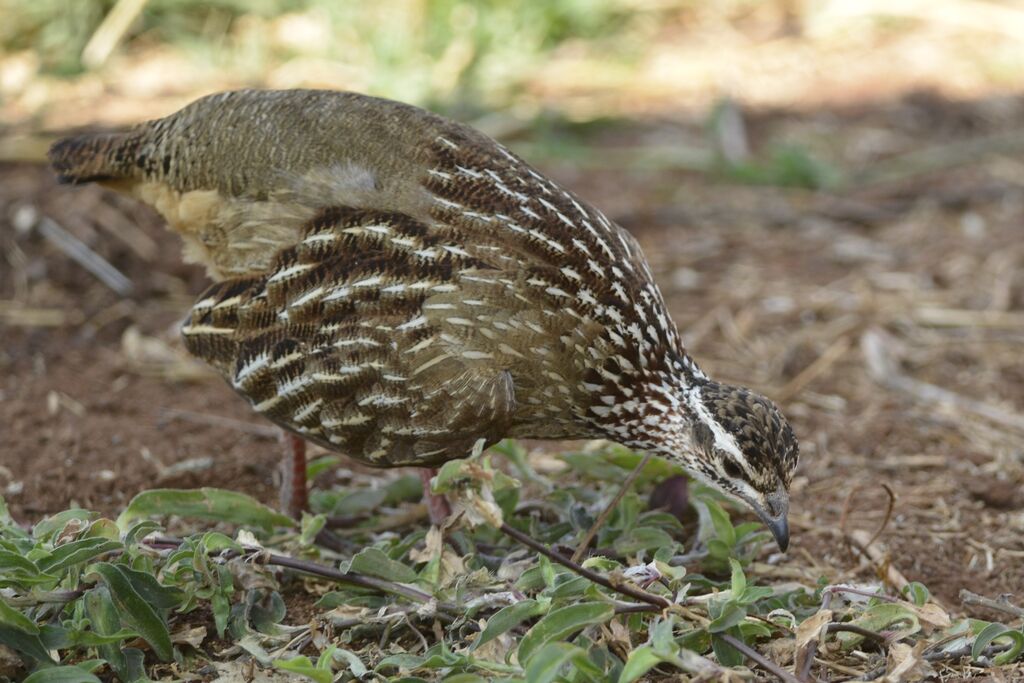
774, 513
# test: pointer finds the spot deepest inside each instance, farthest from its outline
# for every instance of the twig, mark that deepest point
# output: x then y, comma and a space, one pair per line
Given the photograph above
894, 577
829, 591
1000, 604
603, 517
820, 366
633, 608
859, 630
79, 252
220, 421
883, 369
361, 580
762, 661
624, 589
885, 521
962, 651
46, 597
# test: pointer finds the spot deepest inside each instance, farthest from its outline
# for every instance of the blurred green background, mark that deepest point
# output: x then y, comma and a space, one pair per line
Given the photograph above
547, 71
586, 57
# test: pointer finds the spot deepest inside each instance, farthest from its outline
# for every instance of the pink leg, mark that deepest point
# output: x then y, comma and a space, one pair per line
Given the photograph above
294, 495
436, 504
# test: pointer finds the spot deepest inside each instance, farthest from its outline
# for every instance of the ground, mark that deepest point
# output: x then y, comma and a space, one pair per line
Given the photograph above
885, 313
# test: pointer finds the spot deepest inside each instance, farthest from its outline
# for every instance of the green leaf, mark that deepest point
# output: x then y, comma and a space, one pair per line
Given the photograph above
547, 571
358, 501
9, 616
754, 593
355, 665
106, 622
26, 643
62, 674
546, 663
60, 638
265, 611
55, 523
642, 538
76, 552
205, 503
662, 635
732, 614
446, 477
302, 666
641, 660
727, 655
723, 526
567, 586
311, 526
139, 531
560, 624
103, 528
150, 590
882, 617
739, 581
135, 611
994, 632
321, 464
374, 562
508, 618
18, 570
917, 593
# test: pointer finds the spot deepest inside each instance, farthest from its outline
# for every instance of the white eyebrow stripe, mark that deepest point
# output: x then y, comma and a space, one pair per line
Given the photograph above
723, 439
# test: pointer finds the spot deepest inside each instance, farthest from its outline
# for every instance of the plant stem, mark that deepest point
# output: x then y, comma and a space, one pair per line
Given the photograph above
762, 661
624, 589
603, 517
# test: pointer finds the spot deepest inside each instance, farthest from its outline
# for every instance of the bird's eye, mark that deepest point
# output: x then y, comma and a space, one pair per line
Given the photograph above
732, 469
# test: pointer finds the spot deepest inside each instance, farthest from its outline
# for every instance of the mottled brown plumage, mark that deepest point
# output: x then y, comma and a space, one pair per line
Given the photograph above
396, 286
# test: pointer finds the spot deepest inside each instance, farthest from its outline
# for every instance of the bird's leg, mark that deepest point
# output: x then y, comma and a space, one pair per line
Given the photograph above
436, 503
294, 494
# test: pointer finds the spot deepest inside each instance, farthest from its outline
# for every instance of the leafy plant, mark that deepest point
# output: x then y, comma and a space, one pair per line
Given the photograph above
84, 597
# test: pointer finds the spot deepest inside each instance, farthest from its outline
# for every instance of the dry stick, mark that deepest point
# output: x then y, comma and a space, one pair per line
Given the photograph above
820, 366
883, 369
846, 511
79, 252
634, 593
859, 630
220, 421
603, 517
937, 657
308, 567
762, 661
1000, 604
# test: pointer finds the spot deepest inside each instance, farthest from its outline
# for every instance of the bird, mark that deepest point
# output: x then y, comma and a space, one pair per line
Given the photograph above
396, 286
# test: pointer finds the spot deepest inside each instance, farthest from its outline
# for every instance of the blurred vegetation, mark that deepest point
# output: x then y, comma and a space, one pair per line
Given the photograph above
554, 73
427, 51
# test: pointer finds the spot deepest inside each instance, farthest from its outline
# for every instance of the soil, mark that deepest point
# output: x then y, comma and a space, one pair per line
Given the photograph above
778, 289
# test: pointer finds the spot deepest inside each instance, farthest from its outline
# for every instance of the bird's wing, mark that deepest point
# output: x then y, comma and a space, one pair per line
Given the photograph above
338, 341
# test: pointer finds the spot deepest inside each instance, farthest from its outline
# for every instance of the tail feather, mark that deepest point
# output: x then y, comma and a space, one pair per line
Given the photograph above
93, 157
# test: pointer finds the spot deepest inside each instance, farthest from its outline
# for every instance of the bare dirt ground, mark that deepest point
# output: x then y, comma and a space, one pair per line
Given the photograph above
856, 309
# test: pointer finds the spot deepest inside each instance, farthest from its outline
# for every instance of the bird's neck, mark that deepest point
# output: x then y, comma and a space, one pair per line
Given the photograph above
656, 415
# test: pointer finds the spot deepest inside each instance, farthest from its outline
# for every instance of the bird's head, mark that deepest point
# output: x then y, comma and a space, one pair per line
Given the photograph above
740, 443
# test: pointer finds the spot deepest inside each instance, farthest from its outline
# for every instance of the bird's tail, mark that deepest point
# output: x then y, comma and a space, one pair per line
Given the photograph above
94, 157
